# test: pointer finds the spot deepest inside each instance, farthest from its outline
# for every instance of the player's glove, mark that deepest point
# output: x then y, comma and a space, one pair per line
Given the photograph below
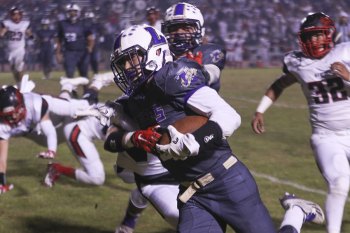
49, 154
146, 139
181, 145
197, 58
5, 188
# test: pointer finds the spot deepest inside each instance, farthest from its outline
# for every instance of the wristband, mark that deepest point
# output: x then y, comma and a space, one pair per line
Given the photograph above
264, 104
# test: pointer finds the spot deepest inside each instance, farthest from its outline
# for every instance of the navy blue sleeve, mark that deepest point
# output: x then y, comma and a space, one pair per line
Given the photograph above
212, 54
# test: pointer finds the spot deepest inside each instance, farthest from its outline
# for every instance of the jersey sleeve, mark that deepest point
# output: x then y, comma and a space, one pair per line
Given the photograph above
179, 80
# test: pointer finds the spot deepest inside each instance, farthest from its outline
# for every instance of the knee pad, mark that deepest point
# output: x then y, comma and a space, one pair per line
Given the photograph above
339, 186
126, 175
138, 199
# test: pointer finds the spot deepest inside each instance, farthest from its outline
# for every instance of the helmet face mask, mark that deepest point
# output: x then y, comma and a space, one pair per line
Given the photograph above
128, 69
139, 51
316, 35
183, 27
12, 108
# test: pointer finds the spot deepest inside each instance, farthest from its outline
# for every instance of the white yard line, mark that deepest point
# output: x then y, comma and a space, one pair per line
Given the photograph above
290, 183
275, 104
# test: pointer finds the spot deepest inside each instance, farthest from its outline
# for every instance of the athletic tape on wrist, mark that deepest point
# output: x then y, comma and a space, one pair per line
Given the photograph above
264, 104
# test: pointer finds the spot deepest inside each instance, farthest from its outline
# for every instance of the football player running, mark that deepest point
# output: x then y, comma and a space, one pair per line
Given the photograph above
184, 29
16, 30
160, 92
322, 70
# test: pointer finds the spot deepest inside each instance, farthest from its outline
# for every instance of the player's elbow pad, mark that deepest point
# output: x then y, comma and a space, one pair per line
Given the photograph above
208, 136
113, 142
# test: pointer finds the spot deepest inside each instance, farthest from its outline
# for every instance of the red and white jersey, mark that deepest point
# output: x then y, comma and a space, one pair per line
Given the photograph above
326, 93
16, 33
33, 103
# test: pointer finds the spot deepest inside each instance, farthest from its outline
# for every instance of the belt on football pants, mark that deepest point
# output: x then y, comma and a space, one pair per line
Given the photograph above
193, 187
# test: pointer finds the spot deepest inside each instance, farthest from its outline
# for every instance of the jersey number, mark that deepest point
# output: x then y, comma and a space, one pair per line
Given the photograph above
70, 37
333, 88
15, 36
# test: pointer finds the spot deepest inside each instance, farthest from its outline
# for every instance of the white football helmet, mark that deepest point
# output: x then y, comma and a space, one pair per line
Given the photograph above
182, 15
139, 51
73, 12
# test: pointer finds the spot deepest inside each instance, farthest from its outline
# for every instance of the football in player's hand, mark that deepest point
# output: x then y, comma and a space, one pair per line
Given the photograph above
188, 124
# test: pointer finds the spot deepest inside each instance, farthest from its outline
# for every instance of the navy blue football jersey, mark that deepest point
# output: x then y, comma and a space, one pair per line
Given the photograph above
212, 54
73, 35
164, 101
46, 37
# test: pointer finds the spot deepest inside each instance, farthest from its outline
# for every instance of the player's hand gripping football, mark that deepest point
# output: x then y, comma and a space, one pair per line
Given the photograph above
258, 123
340, 70
197, 58
181, 145
5, 188
146, 139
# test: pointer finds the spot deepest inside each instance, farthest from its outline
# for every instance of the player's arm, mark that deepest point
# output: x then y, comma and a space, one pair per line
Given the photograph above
340, 70
122, 135
49, 131
4, 187
3, 30
271, 95
90, 42
223, 121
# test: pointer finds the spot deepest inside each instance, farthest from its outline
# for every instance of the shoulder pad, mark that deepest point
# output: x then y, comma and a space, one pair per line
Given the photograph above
212, 54
180, 76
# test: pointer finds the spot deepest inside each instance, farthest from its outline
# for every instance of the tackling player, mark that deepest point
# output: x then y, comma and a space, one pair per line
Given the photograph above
322, 70
16, 30
184, 29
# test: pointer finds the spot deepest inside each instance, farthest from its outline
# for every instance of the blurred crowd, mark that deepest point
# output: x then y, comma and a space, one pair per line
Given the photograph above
256, 33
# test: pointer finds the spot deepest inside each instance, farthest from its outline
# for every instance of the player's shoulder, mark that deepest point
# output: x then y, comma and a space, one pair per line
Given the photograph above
295, 58
212, 54
180, 75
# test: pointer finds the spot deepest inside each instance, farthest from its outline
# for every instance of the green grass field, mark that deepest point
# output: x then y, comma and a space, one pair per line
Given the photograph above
282, 152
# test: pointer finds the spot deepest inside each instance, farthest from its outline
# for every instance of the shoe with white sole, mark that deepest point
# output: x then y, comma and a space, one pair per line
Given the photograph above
312, 211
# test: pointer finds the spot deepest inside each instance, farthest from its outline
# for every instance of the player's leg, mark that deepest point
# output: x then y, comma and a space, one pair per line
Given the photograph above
297, 212
85, 151
137, 203
94, 60
70, 62
164, 199
193, 218
332, 161
233, 196
16, 59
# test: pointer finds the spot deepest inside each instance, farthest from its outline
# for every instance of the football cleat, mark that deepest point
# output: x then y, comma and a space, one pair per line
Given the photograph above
52, 175
124, 229
312, 211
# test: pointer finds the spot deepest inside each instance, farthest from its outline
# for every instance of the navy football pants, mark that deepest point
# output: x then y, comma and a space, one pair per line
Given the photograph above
76, 59
232, 198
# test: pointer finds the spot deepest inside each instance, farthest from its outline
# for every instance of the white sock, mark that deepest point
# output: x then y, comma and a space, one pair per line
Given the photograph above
294, 216
334, 212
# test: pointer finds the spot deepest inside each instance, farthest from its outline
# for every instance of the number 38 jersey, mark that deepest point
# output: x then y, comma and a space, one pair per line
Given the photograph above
326, 93
16, 33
